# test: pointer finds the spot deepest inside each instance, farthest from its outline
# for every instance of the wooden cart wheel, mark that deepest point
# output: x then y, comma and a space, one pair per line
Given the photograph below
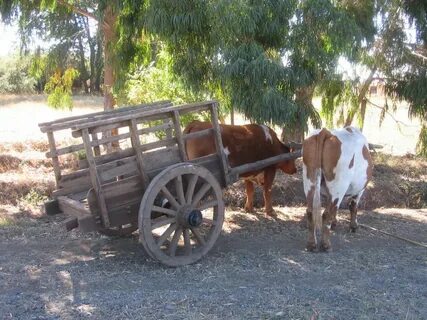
185, 230
119, 231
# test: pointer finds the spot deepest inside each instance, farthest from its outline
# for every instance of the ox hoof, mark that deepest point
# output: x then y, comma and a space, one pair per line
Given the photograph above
311, 247
333, 225
249, 210
271, 214
325, 247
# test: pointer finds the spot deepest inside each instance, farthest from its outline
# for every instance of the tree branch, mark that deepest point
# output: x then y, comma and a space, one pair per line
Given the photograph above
398, 122
78, 10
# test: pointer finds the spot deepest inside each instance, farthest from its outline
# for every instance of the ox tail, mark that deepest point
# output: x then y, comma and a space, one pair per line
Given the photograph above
317, 204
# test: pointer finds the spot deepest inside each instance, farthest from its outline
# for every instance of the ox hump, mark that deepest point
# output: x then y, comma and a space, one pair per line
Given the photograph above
267, 134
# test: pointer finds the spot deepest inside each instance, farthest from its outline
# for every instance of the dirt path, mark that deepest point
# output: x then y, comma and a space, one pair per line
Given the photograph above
257, 270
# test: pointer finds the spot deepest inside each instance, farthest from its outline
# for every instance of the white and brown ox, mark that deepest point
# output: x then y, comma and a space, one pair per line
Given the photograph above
244, 144
339, 163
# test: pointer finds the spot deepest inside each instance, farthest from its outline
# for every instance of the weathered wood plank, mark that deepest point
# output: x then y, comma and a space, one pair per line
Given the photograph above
95, 178
55, 160
69, 122
72, 207
117, 168
161, 158
218, 141
178, 135
146, 114
110, 157
158, 144
95, 143
136, 144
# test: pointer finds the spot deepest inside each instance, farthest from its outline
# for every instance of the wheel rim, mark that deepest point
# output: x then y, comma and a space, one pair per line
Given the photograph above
187, 230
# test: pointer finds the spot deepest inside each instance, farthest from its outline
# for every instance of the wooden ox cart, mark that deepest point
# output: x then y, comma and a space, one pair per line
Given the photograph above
147, 183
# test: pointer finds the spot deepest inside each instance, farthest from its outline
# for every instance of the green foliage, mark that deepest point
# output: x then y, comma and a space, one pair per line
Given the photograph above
156, 81
59, 88
422, 142
15, 75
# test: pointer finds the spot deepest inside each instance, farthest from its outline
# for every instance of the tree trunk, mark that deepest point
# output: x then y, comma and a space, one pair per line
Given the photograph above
110, 37
304, 100
84, 75
361, 99
99, 65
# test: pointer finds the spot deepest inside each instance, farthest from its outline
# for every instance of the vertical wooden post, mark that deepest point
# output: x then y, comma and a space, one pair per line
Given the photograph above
96, 182
178, 135
55, 160
168, 130
136, 144
96, 149
218, 141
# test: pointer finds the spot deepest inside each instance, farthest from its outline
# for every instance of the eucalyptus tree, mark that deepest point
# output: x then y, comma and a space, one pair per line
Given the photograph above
66, 22
395, 56
264, 58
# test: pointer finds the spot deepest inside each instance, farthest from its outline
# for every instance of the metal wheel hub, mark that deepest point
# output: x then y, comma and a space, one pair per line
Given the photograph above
189, 217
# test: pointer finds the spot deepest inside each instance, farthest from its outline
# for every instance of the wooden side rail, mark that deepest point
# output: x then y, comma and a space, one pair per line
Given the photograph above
69, 122
148, 115
98, 142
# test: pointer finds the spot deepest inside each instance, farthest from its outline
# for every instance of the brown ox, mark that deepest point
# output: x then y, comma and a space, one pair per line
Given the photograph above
244, 144
338, 163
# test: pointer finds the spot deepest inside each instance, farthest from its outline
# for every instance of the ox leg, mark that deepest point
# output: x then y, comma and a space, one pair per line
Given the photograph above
268, 185
327, 219
249, 205
311, 241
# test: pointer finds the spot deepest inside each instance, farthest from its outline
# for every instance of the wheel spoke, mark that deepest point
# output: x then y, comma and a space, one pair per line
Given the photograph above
190, 188
208, 205
174, 241
198, 236
200, 194
187, 242
209, 221
166, 234
170, 197
179, 190
160, 222
166, 211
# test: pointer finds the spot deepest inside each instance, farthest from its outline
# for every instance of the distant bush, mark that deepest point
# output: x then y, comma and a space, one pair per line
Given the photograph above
15, 75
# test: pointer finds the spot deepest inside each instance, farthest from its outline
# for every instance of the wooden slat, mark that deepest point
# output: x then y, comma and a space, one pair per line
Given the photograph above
218, 142
158, 144
178, 135
72, 207
55, 161
122, 167
95, 143
95, 178
161, 158
136, 144
69, 122
146, 114
111, 157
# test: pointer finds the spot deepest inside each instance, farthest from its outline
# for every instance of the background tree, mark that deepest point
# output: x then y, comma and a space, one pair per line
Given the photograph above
263, 58
67, 24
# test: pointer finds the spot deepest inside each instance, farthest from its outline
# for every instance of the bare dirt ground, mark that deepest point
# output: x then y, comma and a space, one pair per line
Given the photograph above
258, 268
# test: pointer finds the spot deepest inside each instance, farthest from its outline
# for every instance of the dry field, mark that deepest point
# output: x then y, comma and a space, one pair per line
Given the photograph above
257, 270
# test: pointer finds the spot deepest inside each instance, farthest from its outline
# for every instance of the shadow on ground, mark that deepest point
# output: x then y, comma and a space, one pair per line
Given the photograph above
257, 269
